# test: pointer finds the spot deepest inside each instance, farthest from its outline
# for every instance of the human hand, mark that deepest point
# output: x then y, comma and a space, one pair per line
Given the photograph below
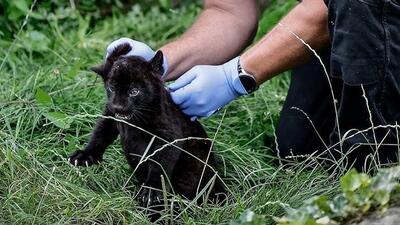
201, 91
138, 49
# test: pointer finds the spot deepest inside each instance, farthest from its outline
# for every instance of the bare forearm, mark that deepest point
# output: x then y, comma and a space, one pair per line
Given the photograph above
222, 30
280, 50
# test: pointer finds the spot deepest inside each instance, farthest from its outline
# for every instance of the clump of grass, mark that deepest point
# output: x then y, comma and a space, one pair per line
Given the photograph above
38, 186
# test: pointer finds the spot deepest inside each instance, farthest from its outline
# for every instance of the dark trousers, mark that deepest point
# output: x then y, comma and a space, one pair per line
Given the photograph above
364, 69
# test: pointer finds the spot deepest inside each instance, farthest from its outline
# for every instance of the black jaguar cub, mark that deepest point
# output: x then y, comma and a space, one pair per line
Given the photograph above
136, 94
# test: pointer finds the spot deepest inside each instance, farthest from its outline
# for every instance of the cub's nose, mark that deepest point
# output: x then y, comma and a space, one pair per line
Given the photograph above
118, 108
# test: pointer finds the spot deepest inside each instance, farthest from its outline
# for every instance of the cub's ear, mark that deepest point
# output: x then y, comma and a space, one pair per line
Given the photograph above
157, 63
116, 53
100, 70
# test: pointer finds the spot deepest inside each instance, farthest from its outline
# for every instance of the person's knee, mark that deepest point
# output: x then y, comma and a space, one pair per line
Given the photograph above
290, 147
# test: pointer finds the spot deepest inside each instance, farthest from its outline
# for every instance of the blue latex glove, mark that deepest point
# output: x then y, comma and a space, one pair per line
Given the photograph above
138, 49
203, 90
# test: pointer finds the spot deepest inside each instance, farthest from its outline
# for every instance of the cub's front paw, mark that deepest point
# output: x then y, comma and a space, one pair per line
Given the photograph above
83, 158
149, 197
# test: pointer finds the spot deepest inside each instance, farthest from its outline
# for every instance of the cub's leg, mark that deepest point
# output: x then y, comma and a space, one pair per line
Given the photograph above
103, 135
162, 163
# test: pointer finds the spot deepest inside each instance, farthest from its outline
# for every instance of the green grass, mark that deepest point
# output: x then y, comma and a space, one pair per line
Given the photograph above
38, 186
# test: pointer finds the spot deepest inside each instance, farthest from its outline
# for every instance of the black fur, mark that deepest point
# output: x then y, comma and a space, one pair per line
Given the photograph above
136, 94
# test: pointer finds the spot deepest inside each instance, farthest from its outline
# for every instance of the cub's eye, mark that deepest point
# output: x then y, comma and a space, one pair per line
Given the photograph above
133, 92
110, 88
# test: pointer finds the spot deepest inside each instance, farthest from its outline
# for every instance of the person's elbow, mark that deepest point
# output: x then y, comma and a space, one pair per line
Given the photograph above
316, 12
245, 14
316, 16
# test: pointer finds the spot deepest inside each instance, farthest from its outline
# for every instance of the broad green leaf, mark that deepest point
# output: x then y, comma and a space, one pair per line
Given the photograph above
166, 4
42, 97
382, 196
322, 203
17, 9
21, 5
36, 41
248, 217
59, 119
353, 180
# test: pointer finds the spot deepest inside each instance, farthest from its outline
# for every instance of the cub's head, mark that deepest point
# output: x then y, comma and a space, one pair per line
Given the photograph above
133, 85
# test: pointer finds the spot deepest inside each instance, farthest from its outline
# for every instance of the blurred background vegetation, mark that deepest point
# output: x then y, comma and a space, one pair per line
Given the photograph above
64, 15
45, 12
45, 17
